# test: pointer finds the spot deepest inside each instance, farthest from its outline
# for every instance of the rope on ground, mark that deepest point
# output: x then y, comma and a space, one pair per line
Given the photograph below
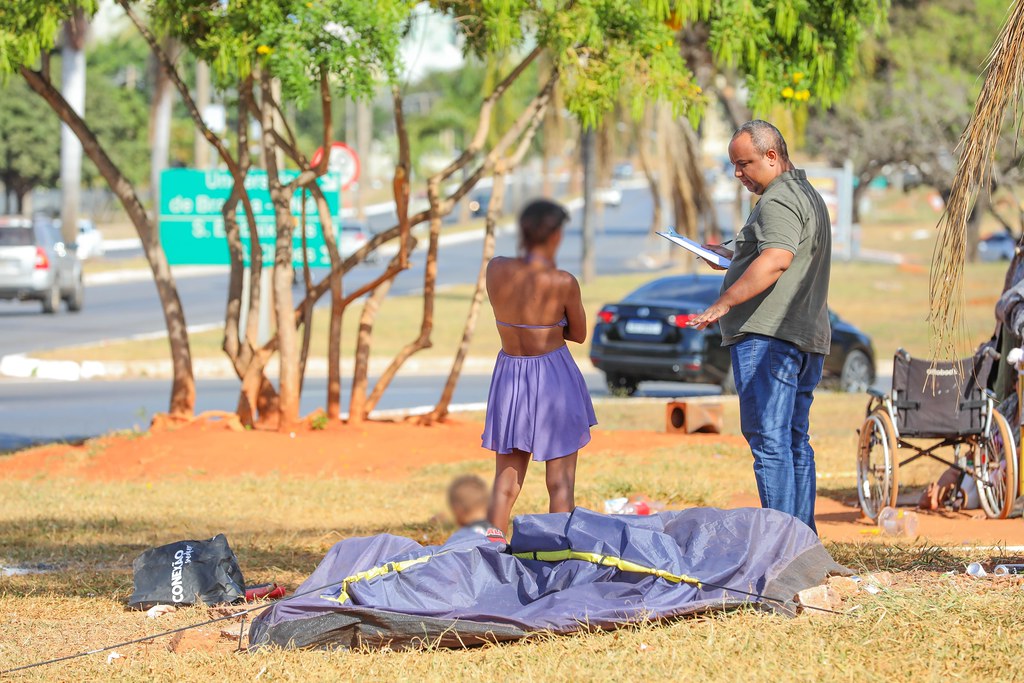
242, 613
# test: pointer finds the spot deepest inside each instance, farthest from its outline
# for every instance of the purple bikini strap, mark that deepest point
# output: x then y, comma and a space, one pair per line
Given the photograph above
561, 323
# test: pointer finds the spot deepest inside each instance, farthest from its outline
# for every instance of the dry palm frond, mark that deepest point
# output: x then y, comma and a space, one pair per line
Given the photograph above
1003, 88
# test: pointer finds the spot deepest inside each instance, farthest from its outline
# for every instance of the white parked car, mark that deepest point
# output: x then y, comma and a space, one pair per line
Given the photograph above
352, 238
89, 242
609, 196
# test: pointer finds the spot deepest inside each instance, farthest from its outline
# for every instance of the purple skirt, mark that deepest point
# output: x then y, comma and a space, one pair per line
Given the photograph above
539, 405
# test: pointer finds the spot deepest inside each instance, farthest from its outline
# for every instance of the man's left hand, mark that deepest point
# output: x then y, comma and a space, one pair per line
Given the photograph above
714, 312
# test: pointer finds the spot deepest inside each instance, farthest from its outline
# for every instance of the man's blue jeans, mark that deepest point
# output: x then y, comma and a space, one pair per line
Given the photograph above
775, 381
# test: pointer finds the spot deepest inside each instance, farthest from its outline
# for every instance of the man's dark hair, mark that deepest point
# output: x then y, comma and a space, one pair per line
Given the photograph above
539, 220
765, 136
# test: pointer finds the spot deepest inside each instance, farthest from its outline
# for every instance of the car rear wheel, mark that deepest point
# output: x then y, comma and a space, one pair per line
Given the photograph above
621, 386
857, 374
51, 301
77, 297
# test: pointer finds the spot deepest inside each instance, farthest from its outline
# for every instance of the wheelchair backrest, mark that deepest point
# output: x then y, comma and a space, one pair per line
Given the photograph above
937, 400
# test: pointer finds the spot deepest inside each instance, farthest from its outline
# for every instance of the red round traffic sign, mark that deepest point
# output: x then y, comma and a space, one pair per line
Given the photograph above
343, 160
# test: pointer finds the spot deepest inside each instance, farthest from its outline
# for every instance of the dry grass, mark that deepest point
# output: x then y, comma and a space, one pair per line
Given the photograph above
929, 626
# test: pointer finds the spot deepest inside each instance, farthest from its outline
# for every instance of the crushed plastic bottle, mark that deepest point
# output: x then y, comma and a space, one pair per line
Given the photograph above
895, 522
1006, 569
638, 504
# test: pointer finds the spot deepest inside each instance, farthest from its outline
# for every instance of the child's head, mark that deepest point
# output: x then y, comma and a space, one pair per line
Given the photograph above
468, 497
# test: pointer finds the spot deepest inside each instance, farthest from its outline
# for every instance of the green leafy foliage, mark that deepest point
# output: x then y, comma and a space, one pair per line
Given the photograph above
603, 49
29, 143
27, 27
793, 51
119, 117
913, 91
354, 41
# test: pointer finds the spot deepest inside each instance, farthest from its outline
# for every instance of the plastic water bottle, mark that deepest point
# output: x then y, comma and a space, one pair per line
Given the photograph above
895, 522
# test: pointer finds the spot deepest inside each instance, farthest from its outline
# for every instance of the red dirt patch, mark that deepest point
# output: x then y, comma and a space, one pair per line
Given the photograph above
837, 521
214, 446
205, 448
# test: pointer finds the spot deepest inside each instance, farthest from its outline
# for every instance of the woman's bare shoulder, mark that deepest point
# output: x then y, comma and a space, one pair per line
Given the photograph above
567, 279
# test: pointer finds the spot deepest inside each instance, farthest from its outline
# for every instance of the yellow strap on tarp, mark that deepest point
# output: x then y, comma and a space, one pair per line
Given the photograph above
606, 561
373, 573
541, 555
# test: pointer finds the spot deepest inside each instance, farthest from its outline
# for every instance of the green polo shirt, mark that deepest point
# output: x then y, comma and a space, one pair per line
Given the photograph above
791, 215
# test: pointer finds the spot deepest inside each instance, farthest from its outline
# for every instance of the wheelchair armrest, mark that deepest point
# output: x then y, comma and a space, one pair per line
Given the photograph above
877, 393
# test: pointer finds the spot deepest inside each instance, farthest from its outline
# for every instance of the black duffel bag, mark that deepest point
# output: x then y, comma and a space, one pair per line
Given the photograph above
187, 572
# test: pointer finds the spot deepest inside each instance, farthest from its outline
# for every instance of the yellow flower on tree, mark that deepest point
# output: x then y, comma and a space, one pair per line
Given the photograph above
798, 76
787, 92
264, 50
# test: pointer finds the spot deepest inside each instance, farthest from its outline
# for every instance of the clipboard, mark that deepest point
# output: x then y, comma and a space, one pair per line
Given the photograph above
692, 246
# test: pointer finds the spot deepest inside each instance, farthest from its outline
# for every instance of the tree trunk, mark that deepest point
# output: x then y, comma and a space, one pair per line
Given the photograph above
587, 160
337, 307
183, 391
282, 276
440, 410
642, 131
494, 210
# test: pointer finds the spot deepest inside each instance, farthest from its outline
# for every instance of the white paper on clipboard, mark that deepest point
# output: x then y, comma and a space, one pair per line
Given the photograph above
690, 245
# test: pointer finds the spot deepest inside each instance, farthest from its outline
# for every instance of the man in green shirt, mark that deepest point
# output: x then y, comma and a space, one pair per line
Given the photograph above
774, 317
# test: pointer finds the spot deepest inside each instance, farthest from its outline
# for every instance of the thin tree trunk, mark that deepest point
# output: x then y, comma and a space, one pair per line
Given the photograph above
283, 309
642, 130
494, 210
337, 307
183, 392
257, 394
440, 410
527, 121
588, 162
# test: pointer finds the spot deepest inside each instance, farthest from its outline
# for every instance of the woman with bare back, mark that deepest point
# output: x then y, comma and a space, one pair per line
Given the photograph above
538, 403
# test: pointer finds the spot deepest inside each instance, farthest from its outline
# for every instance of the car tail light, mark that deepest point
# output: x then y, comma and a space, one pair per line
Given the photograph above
607, 315
42, 262
681, 319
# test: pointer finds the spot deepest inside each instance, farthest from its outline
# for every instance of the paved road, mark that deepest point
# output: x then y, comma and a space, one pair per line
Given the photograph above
126, 309
34, 410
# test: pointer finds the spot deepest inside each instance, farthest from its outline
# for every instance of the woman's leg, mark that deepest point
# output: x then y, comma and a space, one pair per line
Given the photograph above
509, 472
561, 480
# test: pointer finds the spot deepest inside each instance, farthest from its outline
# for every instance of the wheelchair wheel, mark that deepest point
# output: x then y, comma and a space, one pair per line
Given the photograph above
877, 466
997, 485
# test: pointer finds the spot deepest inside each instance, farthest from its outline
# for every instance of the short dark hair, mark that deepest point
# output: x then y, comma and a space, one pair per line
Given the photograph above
765, 136
468, 491
539, 220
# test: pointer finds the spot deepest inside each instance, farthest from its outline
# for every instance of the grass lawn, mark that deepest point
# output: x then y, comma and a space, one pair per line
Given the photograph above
928, 625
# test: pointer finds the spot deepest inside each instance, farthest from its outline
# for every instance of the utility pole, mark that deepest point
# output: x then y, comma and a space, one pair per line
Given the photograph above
201, 155
587, 146
73, 89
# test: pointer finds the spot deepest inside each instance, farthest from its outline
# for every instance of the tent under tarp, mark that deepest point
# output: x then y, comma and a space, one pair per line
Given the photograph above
561, 573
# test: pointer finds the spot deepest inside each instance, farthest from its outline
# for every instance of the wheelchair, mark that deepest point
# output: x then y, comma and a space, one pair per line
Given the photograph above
950, 404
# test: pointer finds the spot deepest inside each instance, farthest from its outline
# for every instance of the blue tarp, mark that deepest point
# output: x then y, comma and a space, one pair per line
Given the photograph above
390, 591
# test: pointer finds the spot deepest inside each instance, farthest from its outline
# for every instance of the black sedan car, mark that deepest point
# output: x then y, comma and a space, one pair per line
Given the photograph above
644, 337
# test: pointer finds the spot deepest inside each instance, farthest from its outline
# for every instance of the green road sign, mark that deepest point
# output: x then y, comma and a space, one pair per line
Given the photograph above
192, 226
